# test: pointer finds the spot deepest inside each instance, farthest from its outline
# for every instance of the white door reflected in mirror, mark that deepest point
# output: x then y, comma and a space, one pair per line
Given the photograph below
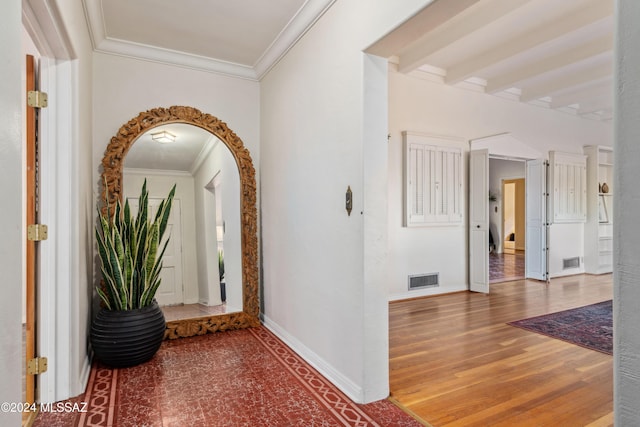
208, 202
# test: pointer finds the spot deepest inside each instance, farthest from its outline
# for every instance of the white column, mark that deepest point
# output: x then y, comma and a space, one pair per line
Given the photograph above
376, 274
626, 215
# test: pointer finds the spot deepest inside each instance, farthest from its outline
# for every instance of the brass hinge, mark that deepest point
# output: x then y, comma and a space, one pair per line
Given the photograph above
37, 365
37, 232
37, 99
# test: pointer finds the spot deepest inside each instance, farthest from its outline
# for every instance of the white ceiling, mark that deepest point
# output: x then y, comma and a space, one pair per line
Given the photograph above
185, 154
243, 38
552, 53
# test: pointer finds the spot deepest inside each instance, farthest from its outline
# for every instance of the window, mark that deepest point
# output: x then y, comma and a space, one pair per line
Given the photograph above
433, 180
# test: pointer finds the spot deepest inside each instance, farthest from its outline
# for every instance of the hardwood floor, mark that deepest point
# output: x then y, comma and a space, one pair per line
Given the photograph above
455, 362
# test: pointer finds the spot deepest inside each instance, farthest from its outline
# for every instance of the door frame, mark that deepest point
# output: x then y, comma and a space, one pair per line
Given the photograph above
502, 146
505, 181
63, 304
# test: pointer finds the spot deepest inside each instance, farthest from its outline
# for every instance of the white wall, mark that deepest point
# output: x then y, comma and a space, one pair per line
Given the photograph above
159, 184
315, 129
124, 87
11, 243
431, 107
219, 161
626, 316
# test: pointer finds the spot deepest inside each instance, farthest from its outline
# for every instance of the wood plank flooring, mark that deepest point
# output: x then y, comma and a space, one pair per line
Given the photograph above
455, 362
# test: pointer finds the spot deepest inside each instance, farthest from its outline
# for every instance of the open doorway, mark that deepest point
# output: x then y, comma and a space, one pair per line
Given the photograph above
513, 215
507, 219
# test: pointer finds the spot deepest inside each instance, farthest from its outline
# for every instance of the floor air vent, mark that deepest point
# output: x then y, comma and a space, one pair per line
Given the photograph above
570, 263
420, 281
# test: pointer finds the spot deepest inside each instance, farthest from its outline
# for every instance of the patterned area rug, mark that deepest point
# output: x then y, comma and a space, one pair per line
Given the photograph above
590, 326
237, 378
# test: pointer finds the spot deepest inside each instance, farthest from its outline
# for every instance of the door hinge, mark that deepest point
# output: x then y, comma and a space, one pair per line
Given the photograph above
37, 99
37, 232
37, 365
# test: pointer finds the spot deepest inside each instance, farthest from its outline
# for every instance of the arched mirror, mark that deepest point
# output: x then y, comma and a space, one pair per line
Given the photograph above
210, 271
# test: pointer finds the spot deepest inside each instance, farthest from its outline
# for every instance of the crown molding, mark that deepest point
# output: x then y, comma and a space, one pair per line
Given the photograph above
156, 172
297, 27
172, 57
304, 19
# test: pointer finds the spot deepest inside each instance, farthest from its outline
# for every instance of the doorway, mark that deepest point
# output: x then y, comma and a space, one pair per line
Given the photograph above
486, 223
507, 219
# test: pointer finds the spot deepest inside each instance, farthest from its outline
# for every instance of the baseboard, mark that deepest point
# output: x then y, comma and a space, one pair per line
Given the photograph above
427, 292
348, 387
86, 372
568, 272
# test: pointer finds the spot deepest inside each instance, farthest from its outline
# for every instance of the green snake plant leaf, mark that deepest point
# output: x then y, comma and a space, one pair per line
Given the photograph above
111, 291
155, 279
153, 248
164, 210
128, 251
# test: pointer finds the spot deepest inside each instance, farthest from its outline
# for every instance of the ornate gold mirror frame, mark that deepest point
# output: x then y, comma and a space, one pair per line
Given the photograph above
112, 164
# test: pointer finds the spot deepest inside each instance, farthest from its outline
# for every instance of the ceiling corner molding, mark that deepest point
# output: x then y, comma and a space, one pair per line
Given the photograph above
93, 14
203, 154
166, 56
104, 44
308, 14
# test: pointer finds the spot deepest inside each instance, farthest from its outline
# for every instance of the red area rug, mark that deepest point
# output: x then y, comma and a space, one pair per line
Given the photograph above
237, 378
590, 326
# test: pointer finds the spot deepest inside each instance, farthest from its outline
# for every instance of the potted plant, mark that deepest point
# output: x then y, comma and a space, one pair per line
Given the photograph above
129, 327
223, 287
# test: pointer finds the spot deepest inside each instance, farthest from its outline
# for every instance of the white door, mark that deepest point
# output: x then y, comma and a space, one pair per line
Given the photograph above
536, 219
479, 221
170, 291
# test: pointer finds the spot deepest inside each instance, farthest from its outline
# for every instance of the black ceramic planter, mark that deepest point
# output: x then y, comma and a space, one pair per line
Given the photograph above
127, 338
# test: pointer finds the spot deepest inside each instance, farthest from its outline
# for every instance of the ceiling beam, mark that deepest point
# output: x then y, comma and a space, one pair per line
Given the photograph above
566, 82
473, 18
602, 115
584, 94
551, 63
596, 105
589, 13
425, 21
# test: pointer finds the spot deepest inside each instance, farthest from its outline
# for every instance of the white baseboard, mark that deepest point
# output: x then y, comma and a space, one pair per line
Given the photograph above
567, 272
86, 372
348, 387
427, 292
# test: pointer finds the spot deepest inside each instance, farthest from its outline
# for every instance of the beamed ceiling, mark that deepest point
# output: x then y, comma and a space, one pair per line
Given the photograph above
556, 54
553, 53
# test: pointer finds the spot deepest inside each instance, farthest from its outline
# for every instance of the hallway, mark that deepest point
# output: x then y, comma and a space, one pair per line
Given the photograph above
235, 378
506, 266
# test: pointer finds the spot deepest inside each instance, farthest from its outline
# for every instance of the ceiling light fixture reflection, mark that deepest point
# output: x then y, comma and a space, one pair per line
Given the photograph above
163, 137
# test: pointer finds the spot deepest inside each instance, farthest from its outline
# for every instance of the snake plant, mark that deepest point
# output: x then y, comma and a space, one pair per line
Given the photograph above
128, 250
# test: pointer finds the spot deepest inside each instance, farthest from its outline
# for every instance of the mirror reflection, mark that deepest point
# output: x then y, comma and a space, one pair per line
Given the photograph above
202, 266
